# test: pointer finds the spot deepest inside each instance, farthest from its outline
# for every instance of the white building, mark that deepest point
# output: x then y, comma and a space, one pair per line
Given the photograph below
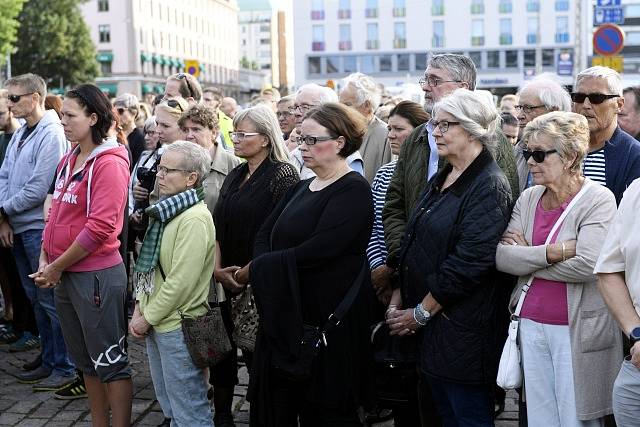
509, 40
141, 42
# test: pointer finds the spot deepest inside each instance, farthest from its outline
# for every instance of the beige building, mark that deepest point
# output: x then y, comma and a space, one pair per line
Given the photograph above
141, 42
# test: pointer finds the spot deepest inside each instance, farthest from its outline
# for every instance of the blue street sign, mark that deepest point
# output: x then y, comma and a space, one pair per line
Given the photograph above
608, 15
608, 3
608, 40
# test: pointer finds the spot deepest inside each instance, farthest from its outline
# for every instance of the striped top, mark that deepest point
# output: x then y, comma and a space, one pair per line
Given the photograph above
594, 167
377, 250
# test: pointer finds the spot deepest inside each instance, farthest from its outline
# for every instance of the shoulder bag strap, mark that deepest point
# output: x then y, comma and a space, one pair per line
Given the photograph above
338, 314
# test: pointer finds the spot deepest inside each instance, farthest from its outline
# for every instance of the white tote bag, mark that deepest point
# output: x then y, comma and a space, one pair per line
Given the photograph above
510, 367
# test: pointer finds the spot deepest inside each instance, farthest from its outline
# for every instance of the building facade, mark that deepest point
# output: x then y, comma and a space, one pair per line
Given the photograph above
141, 42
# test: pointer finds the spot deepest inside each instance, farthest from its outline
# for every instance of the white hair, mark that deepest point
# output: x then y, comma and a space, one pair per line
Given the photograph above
366, 89
550, 92
194, 158
614, 81
322, 94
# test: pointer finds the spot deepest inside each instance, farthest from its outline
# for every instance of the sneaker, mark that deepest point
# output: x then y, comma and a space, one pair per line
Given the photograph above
223, 419
34, 364
25, 343
34, 376
53, 382
9, 335
165, 423
73, 390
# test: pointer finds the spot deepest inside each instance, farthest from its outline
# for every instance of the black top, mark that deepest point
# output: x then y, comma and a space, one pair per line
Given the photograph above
244, 204
135, 140
328, 231
4, 144
449, 250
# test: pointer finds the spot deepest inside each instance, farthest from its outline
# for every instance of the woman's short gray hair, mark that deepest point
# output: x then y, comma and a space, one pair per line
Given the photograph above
266, 123
193, 158
614, 81
366, 89
476, 114
568, 131
149, 124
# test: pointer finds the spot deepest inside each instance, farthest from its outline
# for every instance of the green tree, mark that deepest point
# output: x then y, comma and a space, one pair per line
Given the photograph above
54, 42
8, 26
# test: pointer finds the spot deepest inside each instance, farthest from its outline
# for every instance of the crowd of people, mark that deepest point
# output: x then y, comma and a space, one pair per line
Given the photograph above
343, 236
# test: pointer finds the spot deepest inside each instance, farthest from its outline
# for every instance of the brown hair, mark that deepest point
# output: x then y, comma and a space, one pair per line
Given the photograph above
341, 120
411, 111
201, 115
53, 102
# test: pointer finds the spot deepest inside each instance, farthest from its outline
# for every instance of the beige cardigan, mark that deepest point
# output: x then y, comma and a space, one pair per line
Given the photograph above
596, 342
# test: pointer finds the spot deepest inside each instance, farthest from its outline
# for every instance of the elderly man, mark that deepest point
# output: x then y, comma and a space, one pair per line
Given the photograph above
212, 98
229, 106
614, 156
361, 92
629, 115
286, 119
539, 96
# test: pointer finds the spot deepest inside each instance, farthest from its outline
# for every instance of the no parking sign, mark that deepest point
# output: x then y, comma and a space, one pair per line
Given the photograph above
608, 40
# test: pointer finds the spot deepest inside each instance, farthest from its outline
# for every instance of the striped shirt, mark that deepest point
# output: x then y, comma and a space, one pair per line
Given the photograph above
377, 250
594, 167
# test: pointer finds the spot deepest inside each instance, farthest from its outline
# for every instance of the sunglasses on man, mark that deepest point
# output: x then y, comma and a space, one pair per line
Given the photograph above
594, 98
16, 98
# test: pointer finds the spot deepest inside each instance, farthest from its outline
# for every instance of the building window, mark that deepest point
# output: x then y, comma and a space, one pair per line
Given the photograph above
265, 28
529, 58
505, 31
399, 8
350, 64
632, 11
476, 57
562, 5
632, 37
511, 59
562, 29
548, 58
437, 7
385, 63
371, 10
333, 64
372, 36
265, 41
103, 5
318, 38
493, 59
403, 62
477, 32
477, 6
421, 62
438, 34
317, 9
367, 64
532, 30
345, 37
399, 35
505, 6
533, 6
314, 65
344, 9
104, 32
105, 68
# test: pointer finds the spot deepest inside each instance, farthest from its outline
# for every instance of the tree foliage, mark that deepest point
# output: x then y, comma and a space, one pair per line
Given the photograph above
54, 42
9, 10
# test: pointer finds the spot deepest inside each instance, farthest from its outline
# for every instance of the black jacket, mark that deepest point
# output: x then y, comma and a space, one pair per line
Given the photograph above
449, 250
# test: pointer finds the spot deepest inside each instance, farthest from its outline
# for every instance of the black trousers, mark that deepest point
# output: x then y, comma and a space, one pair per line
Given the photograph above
23, 317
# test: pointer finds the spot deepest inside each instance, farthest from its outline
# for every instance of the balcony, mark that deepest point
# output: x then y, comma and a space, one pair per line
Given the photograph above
437, 10
505, 8
477, 41
437, 41
562, 5
506, 39
477, 8
562, 37
344, 14
317, 46
533, 6
317, 15
399, 43
344, 45
532, 38
399, 12
373, 44
371, 13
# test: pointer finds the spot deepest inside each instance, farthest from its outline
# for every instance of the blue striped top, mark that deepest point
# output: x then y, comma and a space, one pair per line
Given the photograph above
377, 250
594, 167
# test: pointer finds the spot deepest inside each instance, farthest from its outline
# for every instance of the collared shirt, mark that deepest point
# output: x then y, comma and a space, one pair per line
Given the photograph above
432, 165
221, 164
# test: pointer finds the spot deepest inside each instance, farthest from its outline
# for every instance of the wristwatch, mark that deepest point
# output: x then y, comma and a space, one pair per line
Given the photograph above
421, 315
634, 336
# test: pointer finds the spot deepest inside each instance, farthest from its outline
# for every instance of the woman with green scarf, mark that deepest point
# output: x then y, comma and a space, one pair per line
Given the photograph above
173, 274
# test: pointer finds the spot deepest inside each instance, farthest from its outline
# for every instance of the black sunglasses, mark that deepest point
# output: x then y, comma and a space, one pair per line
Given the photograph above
16, 98
538, 155
182, 76
594, 98
174, 104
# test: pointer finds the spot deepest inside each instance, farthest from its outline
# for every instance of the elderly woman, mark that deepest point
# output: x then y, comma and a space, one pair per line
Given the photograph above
448, 288
173, 275
310, 257
570, 344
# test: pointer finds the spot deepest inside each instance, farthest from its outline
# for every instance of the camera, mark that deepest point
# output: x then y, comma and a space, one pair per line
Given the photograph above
147, 180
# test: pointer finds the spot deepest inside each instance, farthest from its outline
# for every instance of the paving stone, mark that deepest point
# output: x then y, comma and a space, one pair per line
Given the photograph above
151, 419
10, 418
33, 422
24, 406
67, 415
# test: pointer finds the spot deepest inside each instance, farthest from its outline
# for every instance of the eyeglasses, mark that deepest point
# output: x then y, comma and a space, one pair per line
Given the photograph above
538, 155
295, 139
313, 140
594, 98
528, 108
172, 103
283, 114
240, 136
443, 125
183, 76
162, 171
302, 108
16, 98
434, 81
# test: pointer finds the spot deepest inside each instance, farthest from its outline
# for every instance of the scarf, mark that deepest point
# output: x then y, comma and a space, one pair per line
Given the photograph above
160, 214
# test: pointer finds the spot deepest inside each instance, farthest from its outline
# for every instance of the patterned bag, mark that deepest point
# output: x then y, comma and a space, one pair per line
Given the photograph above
206, 337
245, 320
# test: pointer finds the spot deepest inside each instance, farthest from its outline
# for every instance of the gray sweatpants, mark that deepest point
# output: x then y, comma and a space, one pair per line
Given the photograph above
626, 395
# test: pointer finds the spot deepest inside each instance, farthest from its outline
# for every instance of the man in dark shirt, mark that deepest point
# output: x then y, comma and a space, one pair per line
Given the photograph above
127, 107
629, 115
8, 125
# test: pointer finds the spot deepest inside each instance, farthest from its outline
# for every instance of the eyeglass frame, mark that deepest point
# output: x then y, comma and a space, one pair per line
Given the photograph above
435, 82
175, 103
284, 113
19, 97
305, 107
315, 139
233, 135
435, 124
527, 154
159, 171
527, 109
588, 96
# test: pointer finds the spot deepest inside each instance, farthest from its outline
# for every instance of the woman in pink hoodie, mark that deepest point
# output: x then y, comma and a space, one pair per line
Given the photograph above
80, 253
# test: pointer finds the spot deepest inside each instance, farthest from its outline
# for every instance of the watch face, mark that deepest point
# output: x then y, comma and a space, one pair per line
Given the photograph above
635, 334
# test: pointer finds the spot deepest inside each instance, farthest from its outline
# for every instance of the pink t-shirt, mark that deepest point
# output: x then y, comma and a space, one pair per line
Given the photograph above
546, 301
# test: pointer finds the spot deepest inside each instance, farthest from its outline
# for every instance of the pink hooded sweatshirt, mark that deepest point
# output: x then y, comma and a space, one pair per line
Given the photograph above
88, 207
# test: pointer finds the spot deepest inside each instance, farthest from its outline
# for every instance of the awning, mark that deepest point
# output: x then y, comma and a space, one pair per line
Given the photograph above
159, 89
104, 57
155, 59
202, 68
181, 63
163, 61
147, 88
145, 57
110, 89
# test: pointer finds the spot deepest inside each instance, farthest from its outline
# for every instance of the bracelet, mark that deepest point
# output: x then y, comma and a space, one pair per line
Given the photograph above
235, 274
418, 317
563, 256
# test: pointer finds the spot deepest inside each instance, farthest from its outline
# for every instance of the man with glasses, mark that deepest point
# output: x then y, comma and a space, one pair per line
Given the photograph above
25, 177
286, 119
614, 156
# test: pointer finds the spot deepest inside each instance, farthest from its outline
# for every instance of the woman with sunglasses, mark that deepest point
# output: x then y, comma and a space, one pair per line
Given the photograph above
570, 344
248, 195
449, 287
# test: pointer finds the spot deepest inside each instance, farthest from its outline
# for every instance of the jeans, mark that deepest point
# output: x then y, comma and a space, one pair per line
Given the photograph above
26, 250
548, 375
462, 405
626, 395
181, 388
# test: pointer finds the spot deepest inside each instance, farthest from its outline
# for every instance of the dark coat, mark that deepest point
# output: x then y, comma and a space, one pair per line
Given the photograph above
449, 251
622, 156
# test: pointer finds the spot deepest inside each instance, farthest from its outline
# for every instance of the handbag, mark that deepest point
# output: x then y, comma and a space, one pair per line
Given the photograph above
510, 366
245, 320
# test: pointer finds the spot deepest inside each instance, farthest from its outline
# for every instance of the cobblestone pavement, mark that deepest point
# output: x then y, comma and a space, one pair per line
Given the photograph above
19, 406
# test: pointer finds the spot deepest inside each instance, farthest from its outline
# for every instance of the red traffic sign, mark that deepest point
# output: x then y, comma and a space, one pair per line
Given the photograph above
608, 40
